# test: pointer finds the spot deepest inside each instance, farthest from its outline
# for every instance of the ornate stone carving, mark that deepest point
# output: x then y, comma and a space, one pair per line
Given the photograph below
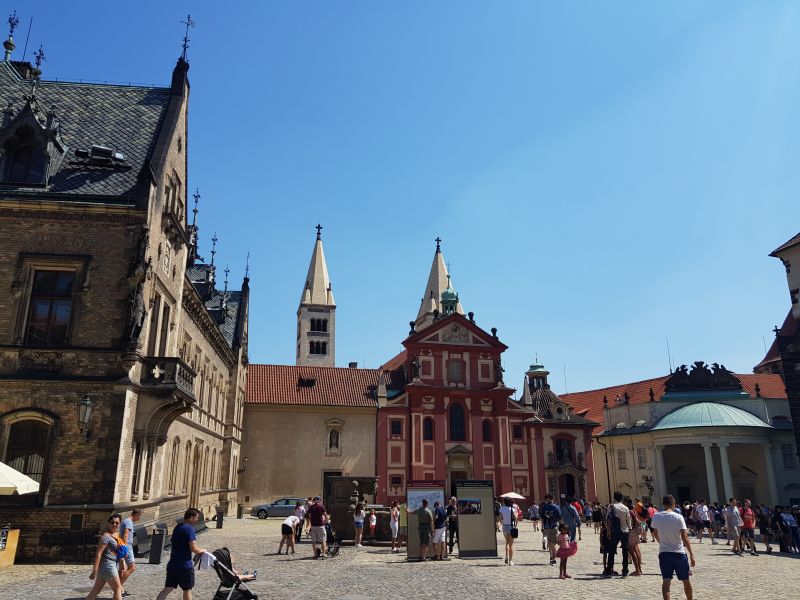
456, 334
36, 361
701, 378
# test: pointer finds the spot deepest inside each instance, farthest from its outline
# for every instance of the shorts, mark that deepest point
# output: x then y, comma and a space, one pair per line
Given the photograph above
552, 536
674, 562
107, 572
317, 534
129, 558
733, 532
507, 529
424, 536
286, 530
394, 526
182, 577
438, 535
706, 524
535, 519
359, 524
748, 533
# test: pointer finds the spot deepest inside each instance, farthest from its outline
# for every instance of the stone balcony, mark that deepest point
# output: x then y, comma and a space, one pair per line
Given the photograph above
168, 376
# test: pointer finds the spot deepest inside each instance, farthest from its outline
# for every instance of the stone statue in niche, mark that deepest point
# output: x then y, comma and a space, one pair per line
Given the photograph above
138, 314
333, 439
580, 459
415, 369
563, 451
498, 372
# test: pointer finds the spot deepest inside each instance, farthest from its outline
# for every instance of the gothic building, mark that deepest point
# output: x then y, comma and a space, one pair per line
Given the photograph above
123, 364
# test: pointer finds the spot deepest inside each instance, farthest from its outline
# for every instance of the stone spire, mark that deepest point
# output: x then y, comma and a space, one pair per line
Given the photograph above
438, 283
318, 290
316, 315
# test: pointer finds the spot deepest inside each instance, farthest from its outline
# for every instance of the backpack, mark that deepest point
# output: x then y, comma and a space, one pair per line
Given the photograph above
614, 523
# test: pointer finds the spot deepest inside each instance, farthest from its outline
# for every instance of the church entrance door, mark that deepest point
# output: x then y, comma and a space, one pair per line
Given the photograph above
566, 485
456, 476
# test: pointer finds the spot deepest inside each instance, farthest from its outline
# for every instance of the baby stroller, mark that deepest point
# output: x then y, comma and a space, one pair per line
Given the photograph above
331, 541
230, 586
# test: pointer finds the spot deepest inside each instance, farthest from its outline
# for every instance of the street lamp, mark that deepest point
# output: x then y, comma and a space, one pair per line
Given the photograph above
84, 416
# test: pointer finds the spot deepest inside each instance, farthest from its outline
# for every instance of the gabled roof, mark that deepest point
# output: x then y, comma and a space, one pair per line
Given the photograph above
442, 323
770, 386
785, 246
126, 119
311, 386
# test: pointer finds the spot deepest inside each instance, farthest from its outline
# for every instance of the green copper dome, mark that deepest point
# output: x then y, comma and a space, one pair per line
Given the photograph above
708, 414
449, 295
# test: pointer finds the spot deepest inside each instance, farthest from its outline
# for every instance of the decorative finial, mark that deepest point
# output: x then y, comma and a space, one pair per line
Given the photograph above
13, 22
652, 395
247, 265
758, 390
214, 241
319, 232
39, 57
438, 244
605, 401
196, 197
536, 357
227, 270
189, 23
776, 331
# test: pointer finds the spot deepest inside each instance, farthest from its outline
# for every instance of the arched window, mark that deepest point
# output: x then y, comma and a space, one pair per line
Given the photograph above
234, 467
457, 429
206, 465
427, 429
28, 446
487, 430
187, 466
213, 482
172, 480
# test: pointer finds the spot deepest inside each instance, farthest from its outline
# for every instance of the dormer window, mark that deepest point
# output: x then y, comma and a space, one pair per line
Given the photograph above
24, 160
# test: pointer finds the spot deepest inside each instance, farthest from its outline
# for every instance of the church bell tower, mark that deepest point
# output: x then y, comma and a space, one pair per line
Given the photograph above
316, 315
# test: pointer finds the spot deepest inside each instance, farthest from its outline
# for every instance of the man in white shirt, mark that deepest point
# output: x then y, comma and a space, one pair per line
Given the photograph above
733, 522
619, 525
704, 521
670, 532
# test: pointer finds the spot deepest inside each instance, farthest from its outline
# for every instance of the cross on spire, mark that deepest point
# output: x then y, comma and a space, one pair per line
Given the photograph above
247, 265
438, 244
214, 241
319, 231
189, 23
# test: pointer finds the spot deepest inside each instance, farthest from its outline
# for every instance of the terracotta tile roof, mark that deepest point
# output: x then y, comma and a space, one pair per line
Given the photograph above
792, 242
395, 362
771, 386
332, 386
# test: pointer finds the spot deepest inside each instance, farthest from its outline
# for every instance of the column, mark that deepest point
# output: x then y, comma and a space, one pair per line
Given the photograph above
727, 480
711, 476
770, 468
662, 475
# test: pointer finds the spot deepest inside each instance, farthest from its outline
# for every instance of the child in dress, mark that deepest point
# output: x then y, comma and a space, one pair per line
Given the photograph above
373, 522
566, 548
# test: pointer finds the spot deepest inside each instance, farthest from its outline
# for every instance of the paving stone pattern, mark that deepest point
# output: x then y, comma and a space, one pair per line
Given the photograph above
373, 572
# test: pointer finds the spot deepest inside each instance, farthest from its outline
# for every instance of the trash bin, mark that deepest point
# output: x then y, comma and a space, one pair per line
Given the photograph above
239, 511
157, 542
220, 517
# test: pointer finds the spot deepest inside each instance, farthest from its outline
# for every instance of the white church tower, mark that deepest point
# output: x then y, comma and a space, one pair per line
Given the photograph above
316, 315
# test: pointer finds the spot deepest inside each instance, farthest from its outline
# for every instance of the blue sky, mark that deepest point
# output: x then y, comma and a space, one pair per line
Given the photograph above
603, 175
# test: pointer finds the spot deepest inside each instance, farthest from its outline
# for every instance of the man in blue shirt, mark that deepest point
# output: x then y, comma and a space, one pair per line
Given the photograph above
439, 521
551, 515
571, 518
180, 569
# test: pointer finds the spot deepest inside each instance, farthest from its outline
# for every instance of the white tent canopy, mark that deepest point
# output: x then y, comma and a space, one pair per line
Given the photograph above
14, 482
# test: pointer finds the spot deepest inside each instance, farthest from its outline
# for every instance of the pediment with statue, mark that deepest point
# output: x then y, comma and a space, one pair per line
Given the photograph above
702, 377
456, 329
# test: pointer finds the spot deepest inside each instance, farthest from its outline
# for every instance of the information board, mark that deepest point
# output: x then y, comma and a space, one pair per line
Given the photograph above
415, 492
477, 536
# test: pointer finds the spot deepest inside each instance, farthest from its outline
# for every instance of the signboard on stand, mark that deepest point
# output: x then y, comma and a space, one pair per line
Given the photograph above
477, 536
415, 493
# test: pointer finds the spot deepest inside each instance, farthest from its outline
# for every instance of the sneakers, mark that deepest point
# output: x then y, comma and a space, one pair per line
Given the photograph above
552, 562
511, 563
359, 546
505, 559
126, 594
714, 542
543, 547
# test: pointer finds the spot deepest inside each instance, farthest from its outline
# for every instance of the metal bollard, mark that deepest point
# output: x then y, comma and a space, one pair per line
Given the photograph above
239, 511
220, 517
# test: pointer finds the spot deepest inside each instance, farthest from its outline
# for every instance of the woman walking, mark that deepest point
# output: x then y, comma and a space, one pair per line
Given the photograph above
634, 537
394, 524
104, 569
358, 521
508, 518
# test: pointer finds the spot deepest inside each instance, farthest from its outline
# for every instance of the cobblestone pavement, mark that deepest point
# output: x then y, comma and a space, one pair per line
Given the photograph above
373, 572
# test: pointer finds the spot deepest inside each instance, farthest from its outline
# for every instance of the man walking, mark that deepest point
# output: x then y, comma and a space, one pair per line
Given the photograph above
126, 533
425, 526
619, 526
551, 515
733, 524
452, 523
439, 530
317, 514
180, 569
572, 519
670, 532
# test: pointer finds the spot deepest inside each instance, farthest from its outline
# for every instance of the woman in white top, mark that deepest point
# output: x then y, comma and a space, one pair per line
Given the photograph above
394, 523
358, 521
288, 530
509, 519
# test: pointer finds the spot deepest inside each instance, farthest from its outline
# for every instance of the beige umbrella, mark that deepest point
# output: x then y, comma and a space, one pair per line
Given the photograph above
14, 482
513, 496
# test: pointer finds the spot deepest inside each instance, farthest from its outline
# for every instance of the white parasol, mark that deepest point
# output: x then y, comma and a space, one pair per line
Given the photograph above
513, 496
14, 482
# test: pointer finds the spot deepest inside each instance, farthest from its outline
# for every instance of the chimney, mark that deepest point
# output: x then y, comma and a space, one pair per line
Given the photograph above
352, 365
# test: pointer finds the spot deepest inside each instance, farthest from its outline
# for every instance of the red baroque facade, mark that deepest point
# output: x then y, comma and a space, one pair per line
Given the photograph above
454, 419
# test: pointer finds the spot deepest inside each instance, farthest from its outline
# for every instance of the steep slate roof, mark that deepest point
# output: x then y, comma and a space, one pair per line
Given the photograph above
333, 386
198, 274
771, 386
124, 118
792, 242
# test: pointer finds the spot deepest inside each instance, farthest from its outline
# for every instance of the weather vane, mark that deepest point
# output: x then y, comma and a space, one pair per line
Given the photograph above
39, 57
189, 23
247, 265
214, 241
13, 21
